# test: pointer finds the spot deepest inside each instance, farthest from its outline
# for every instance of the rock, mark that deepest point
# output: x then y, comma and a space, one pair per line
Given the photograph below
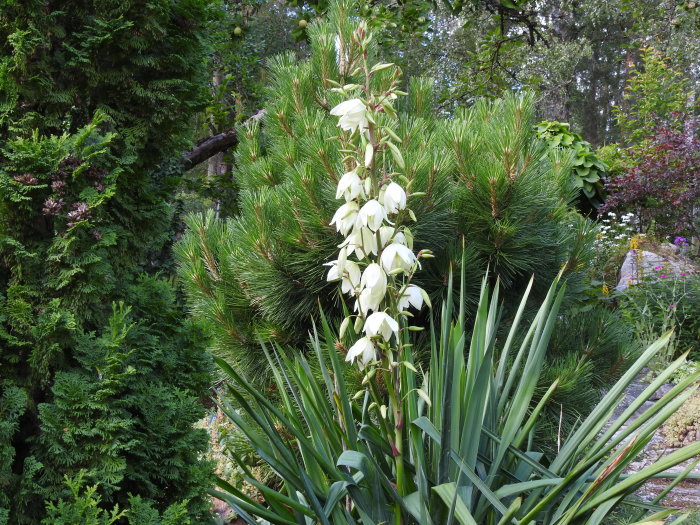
661, 392
640, 263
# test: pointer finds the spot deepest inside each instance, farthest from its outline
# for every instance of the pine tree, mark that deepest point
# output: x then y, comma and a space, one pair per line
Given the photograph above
94, 98
489, 187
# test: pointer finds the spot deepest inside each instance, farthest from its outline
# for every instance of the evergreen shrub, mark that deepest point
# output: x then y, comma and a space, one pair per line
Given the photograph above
489, 186
99, 370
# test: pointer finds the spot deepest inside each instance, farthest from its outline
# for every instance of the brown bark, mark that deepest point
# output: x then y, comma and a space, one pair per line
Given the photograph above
210, 146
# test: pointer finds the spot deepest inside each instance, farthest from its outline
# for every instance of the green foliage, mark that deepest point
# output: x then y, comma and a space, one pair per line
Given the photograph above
487, 182
590, 349
148, 374
588, 169
83, 508
656, 94
467, 444
134, 58
93, 103
656, 304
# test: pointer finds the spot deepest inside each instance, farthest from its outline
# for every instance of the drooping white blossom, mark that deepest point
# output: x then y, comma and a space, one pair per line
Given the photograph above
394, 198
411, 296
344, 219
350, 186
373, 285
372, 215
381, 323
364, 350
368, 302
362, 241
349, 274
388, 234
397, 256
353, 115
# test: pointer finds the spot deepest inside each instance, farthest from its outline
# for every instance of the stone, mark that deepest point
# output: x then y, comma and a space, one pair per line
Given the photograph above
640, 263
661, 392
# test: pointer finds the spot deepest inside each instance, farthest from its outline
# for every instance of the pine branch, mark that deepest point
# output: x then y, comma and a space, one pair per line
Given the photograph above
210, 146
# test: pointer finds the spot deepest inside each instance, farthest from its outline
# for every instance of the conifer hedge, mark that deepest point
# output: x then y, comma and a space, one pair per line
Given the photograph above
98, 371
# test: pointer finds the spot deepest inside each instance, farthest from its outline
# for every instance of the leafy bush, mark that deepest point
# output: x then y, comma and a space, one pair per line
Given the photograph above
661, 187
467, 435
588, 169
83, 508
656, 95
92, 104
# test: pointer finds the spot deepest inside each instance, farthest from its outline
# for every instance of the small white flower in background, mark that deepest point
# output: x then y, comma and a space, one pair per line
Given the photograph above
363, 350
381, 323
412, 296
372, 215
349, 273
344, 219
350, 186
362, 241
353, 115
394, 198
397, 256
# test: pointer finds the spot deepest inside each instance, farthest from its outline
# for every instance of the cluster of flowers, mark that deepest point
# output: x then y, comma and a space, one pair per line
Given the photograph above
614, 232
369, 219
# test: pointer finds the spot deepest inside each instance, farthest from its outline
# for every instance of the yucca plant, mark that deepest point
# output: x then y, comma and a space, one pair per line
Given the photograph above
469, 421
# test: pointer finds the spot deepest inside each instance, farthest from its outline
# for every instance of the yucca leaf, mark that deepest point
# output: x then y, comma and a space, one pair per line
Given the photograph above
448, 494
242, 508
674, 458
418, 508
512, 511
597, 418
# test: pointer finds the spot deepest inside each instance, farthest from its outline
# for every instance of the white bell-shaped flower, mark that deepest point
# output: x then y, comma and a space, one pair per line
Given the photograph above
372, 215
411, 296
362, 241
344, 219
353, 115
350, 186
367, 302
364, 350
388, 235
349, 274
394, 198
374, 279
381, 323
397, 256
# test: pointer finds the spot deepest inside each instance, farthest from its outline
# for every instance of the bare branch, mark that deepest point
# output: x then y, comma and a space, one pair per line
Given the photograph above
210, 146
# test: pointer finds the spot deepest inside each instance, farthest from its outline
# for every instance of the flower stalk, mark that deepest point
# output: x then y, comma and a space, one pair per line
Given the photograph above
376, 261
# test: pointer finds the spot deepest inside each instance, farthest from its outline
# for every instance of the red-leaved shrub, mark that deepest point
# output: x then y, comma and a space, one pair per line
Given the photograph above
663, 187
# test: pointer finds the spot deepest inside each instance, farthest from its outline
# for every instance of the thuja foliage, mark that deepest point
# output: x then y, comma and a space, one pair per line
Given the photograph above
483, 182
83, 506
98, 371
